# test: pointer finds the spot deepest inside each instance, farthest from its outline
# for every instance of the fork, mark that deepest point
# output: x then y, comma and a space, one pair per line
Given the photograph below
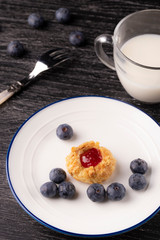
45, 62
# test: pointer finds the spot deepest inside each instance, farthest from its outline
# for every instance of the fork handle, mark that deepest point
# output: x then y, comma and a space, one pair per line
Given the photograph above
5, 95
12, 89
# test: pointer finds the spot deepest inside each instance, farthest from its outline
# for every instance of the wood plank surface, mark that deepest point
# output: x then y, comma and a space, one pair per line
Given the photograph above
86, 75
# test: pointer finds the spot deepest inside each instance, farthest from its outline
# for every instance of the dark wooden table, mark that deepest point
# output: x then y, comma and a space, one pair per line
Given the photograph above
86, 75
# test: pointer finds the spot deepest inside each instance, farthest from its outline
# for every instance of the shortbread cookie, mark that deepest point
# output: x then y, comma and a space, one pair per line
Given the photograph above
90, 163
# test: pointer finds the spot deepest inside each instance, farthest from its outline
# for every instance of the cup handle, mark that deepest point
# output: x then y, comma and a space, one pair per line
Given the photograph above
98, 45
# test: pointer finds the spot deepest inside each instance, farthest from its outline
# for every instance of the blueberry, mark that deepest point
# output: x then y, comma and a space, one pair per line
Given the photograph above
139, 166
116, 191
96, 192
15, 49
67, 190
57, 175
137, 181
35, 20
64, 131
49, 189
76, 38
63, 15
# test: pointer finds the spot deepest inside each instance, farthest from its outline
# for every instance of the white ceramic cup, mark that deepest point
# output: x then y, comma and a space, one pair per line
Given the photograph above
140, 81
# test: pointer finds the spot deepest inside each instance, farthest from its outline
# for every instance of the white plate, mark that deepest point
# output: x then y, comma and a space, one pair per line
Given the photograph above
35, 150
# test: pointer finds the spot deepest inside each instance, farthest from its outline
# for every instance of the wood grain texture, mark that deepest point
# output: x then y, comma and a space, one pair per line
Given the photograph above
84, 76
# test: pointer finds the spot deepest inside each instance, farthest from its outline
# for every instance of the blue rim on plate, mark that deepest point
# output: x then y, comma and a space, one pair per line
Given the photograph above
41, 221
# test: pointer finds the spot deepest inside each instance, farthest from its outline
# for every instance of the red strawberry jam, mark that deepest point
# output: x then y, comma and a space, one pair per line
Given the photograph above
91, 157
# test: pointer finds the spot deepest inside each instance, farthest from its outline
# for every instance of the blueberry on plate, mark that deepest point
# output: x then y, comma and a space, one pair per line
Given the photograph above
67, 190
15, 49
63, 15
35, 20
49, 189
76, 38
64, 131
139, 166
57, 175
137, 181
96, 192
115, 191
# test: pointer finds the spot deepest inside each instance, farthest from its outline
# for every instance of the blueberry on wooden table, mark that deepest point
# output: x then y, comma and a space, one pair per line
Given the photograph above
63, 15
77, 38
49, 189
67, 190
57, 175
115, 191
64, 131
96, 192
35, 20
15, 49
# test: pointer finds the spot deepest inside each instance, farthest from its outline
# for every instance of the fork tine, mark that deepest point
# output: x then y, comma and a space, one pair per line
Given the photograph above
57, 51
52, 55
60, 60
64, 60
54, 50
49, 53
59, 56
